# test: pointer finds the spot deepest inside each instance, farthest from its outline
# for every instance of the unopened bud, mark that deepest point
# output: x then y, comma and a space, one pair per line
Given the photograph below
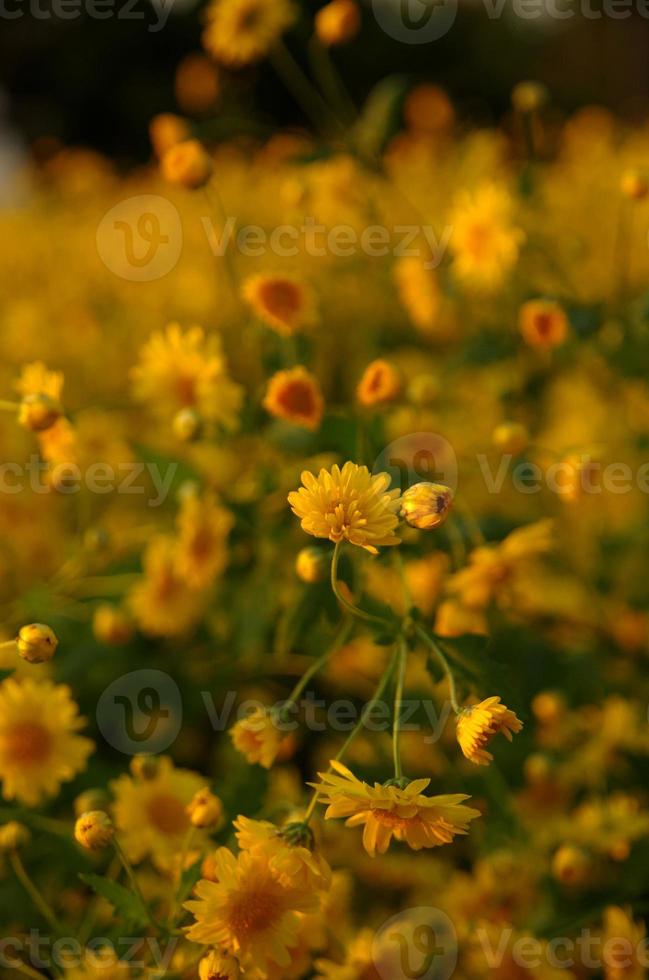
426, 505
94, 830
37, 643
39, 412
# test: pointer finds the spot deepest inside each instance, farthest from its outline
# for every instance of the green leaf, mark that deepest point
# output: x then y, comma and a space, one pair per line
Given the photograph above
125, 902
380, 117
188, 879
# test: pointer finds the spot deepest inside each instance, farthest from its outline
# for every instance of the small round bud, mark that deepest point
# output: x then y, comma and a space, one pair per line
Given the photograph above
338, 22
205, 810
111, 625
634, 185
91, 799
218, 966
529, 96
167, 130
37, 643
13, 835
571, 865
187, 164
511, 437
144, 766
312, 564
426, 505
94, 830
187, 425
548, 707
39, 412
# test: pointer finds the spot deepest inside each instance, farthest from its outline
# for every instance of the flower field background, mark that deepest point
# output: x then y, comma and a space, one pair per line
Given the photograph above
323, 526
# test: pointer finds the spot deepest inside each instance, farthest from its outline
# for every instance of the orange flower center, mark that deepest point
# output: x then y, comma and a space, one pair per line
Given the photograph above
27, 743
253, 912
392, 819
297, 398
167, 814
281, 298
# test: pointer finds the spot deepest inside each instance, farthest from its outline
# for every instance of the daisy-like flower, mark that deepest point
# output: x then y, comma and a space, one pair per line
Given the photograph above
387, 812
39, 744
543, 323
281, 302
186, 369
348, 505
203, 528
258, 737
477, 725
151, 814
162, 602
247, 911
239, 32
295, 396
295, 864
484, 242
380, 383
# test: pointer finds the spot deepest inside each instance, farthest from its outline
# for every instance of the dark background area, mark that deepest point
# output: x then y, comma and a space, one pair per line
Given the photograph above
98, 82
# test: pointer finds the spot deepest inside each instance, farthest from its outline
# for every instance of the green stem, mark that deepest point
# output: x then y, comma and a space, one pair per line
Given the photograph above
441, 656
330, 82
215, 202
398, 703
319, 663
345, 603
35, 895
128, 868
303, 91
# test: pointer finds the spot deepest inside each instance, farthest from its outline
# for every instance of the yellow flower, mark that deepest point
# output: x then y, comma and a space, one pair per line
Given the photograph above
281, 302
623, 940
258, 737
239, 32
186, 369
13, 835
203, 528
348, 505
206, 809
295, 396
380, 383
295, 864
38, 413
388, 811
162, 602
529, 96
39, 744
151, 814
312, 564
338, 22
111, 625
36, 379
428, 109
477, 725
484, 241
94, 830
511, 437
543, 323
218, 966
426, 505
37, 643
248, 912
187, 164
167, 130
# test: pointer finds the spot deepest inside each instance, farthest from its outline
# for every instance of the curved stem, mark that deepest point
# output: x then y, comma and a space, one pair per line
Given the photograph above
441, 656
303, 91
128, 868
398, 703
345, 603
33, 892
317, 665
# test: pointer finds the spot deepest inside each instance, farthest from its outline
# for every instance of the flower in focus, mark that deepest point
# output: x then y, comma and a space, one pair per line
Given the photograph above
258, 737
296, 865
348, 505
426, 505
37, 643
485, 243
39, 744
281, 302
380, 384
477, 725
338, 22
388, 811
186, 369
543, 323
151, 814
239, 32
94, 830
203, 529
187, 164
295, 396
162, 602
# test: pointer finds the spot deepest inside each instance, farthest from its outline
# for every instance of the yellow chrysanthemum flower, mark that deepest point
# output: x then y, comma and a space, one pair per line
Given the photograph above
248, 911
151, 815
295, 864
295, 396
348, 505
239, 32
37, 379
282, 302
258, 737
477, 725
39, 744
162, 602
485, 243
203, 528
186, 369
387, 812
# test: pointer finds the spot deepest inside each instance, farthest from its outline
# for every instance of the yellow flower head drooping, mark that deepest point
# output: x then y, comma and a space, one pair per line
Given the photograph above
39, 744
247, 911
387, 812
186, 369
187, 164
162, 601
484, 241
380, 383
203, 529
258, 737
624, 945
348, 504
282, 302
338, 22
295, 396
296, 864
239, 32
543, 323
477, 725
151, 814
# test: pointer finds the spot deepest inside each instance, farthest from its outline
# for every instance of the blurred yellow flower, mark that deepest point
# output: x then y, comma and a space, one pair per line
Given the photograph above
295, 396
187, 164
295, 864
258, 737
543, 323
484, 241
162, 602
239, 32
203, 529
380, 383
281, 302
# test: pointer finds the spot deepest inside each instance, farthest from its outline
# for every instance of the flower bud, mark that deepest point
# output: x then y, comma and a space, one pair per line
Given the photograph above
187, 425
111, 625
634, 185
13, 835
218, 966
311, 565
510, 437
94, 830
37, 643
39, 412
426, 505
91, 799
166, 130
571, 865
338, 22
529, 96
187, 164
144, 766
205, 810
